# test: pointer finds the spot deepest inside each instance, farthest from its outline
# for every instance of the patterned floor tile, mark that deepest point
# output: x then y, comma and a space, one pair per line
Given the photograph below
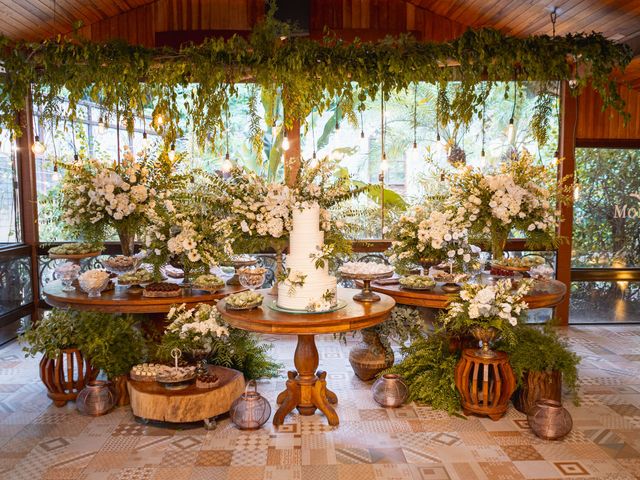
41, 441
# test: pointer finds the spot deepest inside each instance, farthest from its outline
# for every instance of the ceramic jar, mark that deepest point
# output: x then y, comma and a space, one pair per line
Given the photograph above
390, 390
549, 419
251, 410
96, 399
370, 357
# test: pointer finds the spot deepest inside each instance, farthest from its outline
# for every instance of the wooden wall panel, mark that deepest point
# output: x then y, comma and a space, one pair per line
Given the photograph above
373, 19
141, 24
594, 124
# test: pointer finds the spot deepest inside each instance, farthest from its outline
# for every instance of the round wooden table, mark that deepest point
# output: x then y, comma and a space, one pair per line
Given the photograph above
124, 300
307, 386
545, 294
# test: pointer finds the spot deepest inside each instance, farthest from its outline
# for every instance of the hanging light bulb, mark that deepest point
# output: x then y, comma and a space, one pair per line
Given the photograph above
556, 157
510, 130
314, 161
384, 165
159, 119
102, 127
576, 191
483, 158
227, 165
38, 147
145, 141
172, 152
285, 141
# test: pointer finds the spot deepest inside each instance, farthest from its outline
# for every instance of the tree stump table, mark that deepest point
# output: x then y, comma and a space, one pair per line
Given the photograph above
307, 386
151, 401
485, 383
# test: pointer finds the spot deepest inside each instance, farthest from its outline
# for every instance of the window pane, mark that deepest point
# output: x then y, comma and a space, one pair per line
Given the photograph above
606, 222
605, 302
15, 278
9, 203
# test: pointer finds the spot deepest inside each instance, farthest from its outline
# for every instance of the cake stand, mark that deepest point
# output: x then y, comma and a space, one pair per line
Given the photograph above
239, 264
366, 294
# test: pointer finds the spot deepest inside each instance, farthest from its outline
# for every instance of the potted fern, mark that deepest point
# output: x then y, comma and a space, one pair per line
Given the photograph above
542, 364
63, 368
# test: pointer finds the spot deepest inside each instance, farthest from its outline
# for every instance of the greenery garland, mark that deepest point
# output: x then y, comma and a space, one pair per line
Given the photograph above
309, 75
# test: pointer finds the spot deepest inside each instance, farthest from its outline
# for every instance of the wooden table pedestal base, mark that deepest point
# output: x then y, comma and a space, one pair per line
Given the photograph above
307, 387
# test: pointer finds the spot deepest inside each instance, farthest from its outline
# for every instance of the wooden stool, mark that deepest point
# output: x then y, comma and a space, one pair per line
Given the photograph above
150, 401
485, 383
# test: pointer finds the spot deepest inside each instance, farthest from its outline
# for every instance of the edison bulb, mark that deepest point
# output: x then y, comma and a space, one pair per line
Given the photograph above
227, 165
511, 131
412, 153
576, 192
38, 147
145, 140
384, 165
285, 143
102, 127
159, 119
172, 152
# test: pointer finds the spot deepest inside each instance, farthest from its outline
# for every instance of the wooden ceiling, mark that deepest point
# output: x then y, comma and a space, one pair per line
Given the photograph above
616, 19
39, 19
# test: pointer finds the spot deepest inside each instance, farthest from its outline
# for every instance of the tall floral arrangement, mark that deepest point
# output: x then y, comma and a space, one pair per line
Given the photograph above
499, 307
96, 198
429, 237
182, 229
520, 195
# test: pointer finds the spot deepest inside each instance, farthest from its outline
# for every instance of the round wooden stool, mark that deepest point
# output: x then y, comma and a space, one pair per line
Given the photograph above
485, 383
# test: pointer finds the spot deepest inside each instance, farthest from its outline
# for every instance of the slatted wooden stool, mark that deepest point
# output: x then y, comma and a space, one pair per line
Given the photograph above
485, 383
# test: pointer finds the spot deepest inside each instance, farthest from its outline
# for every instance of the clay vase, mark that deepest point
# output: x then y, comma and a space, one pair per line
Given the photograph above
390, 390
549, 420
370, 357
66, 375
536, 386
96, 398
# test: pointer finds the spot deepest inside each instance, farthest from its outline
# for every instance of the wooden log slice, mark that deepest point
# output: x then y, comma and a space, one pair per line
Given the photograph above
192, 404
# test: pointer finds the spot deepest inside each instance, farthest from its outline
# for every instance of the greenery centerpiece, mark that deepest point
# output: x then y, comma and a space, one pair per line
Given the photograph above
487, 312
521, 195
96, 198
202, 332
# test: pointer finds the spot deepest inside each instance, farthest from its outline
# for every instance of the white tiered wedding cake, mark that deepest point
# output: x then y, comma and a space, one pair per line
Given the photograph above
307, 288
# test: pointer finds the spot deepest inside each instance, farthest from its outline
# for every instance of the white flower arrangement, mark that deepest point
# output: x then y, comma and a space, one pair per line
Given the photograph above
500, 306
196, 328
95, 195
435, 235
520, 195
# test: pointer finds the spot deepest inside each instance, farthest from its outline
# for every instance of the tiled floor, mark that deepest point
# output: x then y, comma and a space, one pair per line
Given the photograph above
38, 440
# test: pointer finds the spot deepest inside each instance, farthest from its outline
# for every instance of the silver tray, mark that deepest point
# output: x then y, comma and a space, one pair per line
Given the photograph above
273, 305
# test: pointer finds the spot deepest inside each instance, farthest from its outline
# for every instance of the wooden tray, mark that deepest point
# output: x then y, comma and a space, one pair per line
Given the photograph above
73, 256
152, 294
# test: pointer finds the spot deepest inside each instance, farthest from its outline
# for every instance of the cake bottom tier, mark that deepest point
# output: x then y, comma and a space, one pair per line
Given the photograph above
313, 295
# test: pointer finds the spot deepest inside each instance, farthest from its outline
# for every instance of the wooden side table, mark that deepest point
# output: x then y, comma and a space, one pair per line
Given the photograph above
485, 383
150, 401
307, 386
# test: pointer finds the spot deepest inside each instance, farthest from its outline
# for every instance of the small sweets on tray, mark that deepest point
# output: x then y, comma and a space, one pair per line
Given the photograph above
145, 372
207, 381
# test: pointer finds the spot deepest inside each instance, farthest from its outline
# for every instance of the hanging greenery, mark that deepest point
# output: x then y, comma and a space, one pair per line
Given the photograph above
310, 75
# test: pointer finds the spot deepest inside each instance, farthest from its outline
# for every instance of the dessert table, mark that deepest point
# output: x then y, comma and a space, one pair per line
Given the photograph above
307, 386
545, 294
124, 300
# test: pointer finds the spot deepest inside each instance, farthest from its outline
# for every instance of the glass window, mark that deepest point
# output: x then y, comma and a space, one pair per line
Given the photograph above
15, 278
9, 201
606, 219
605, 302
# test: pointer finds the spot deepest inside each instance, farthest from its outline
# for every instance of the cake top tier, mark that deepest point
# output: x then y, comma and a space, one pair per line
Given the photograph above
307, 219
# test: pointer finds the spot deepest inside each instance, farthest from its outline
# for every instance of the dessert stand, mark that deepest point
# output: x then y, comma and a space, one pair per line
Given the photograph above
237, 264
366, 294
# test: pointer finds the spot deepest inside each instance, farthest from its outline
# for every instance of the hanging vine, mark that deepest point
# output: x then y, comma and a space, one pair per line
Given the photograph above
198, 79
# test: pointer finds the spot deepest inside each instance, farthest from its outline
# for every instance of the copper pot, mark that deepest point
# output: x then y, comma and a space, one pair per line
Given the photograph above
96, 398
390, 390
251, 410
549, 419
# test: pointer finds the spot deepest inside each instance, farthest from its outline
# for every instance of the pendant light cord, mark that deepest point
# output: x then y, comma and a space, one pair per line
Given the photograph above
415, 114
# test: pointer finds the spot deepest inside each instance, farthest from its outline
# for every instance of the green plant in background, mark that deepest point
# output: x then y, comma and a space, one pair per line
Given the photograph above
428, 367
404, 324
540, 349
112, 342
55, 332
